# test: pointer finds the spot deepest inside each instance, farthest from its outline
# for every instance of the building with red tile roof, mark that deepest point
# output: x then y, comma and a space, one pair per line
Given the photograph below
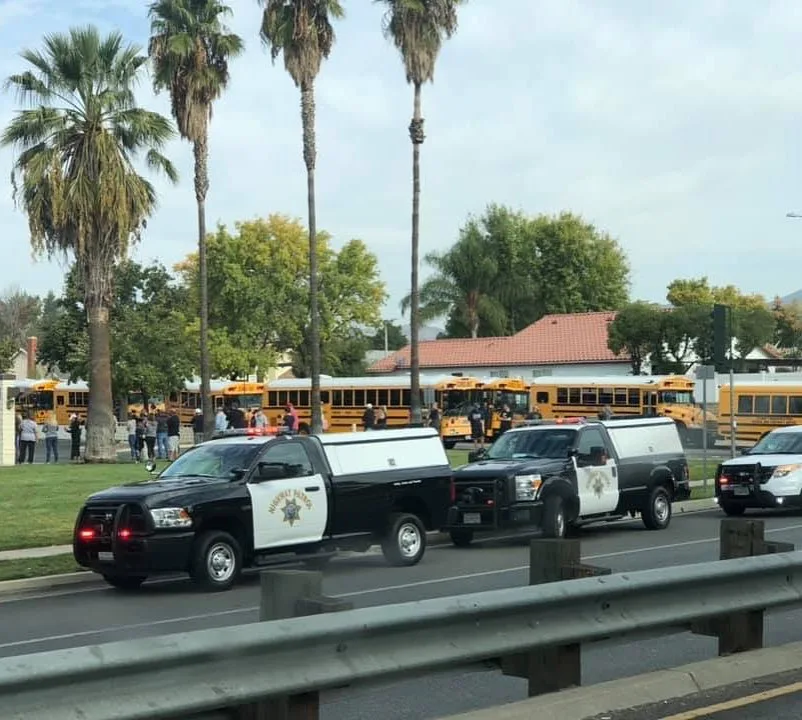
555, 344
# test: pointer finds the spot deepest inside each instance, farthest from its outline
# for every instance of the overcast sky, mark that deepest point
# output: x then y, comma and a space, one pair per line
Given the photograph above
674, 126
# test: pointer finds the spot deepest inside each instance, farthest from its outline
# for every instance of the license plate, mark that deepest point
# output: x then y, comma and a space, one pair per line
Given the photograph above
105, 557
740, 490
472, 518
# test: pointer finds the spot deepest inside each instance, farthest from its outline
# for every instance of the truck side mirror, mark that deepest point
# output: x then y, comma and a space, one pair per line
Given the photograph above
475, 455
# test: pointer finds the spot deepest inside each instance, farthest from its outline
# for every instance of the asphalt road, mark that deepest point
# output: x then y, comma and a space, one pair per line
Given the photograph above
89, 615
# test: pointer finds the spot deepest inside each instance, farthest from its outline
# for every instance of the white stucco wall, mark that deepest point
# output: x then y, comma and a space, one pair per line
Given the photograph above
530, 371
7, 430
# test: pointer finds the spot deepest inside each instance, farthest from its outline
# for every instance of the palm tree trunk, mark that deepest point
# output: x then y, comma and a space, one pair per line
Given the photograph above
417, 136
201, 151
308, 124
100, 423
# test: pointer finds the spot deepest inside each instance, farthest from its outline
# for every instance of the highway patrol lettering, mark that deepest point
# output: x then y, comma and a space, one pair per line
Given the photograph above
290, 496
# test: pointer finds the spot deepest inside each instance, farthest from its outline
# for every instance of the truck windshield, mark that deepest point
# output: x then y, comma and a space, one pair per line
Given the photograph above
539, 443
212, 460
779, 443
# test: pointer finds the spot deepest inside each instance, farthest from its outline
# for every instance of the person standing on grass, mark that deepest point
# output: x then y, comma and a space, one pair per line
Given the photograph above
151, 432
17, 425
197, 427
75, 438
50, 430
27, 439
161, 436
173, 435
131, 428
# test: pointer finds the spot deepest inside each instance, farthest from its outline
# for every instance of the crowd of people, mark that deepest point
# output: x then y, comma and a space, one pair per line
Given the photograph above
28, 434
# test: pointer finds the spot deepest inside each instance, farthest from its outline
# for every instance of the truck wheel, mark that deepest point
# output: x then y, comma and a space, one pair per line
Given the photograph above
461, 538
657, 513
125, 582
216, 561
732, 510
405, 541
554, 525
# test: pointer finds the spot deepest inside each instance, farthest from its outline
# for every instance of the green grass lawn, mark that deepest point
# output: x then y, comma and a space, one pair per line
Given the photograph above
38, 567
39, 503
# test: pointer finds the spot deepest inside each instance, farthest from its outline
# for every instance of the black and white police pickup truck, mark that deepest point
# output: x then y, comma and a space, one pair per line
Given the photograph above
246, 498
767, 475
553, 475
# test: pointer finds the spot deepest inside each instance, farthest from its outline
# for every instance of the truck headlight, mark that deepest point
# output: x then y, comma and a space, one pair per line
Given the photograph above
171, 518
526, 487
783, 470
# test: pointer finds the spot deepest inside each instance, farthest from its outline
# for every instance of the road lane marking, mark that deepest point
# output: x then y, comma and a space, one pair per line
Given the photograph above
367, 591
737, 703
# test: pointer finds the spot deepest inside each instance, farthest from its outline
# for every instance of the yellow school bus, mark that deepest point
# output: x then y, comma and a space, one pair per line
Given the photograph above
759, 408
668, 395
188, 399
344, 399
43, 397
513, 392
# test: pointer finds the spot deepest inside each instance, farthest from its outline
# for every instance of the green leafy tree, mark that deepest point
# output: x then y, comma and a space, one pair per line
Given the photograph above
74, 174
191, 48
788, 326
8, 349
259, 288
19, 316
636, 331
418, 29
395, 338
151, 346
302, 32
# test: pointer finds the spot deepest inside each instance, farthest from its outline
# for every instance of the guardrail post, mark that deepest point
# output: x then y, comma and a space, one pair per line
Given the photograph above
555, 668
743, 631
287, 594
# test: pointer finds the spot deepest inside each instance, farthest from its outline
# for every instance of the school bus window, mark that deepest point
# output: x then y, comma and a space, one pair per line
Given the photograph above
779, 405
574, 396
620, 396
633, 398
761, 405
359, 398
384, 397
588, 396
395, 398
324, 396
542, 397
303, 398
370, 397
605, 396
406, 398
562, 396
795, 405
60, 401
746, 404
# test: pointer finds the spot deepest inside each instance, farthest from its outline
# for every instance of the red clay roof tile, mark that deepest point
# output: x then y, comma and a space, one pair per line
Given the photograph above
552, 340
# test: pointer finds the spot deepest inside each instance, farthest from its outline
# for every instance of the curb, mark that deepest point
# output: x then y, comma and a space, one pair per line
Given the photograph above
685, 506
655, 687
47, 582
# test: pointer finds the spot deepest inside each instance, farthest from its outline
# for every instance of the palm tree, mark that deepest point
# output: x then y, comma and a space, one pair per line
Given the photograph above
190, 48
465, 287
418, 28
74, 176
301, 31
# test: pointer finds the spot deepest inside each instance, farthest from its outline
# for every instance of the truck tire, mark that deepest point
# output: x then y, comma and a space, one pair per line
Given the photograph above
216, 561
461, 538
554, 524
405, 541
732, 510
656, 514
125, 582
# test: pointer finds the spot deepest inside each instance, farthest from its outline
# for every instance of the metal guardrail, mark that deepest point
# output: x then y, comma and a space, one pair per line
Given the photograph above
208, 670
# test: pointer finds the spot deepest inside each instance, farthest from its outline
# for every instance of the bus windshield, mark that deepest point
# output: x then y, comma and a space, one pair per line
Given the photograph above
535, 443
676, 397
40, 400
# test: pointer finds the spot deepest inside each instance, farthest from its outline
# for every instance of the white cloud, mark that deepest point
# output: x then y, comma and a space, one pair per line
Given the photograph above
672, 126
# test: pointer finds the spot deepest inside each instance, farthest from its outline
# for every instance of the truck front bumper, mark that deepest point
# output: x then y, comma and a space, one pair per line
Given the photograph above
483, 518
139, 555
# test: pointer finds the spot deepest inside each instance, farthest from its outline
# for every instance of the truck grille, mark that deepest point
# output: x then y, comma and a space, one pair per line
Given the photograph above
101, 518
479, 491
747, 474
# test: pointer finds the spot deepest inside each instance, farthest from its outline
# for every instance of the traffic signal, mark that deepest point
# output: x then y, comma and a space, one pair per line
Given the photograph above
721, 337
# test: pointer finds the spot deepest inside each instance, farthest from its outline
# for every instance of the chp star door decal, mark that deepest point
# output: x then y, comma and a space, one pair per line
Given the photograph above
294, 501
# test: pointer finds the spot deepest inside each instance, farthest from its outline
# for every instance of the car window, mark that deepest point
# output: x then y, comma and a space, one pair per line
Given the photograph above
212, 460
589, 439
292, 455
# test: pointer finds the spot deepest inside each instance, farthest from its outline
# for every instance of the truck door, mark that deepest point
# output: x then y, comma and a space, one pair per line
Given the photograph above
596, 474
288, 498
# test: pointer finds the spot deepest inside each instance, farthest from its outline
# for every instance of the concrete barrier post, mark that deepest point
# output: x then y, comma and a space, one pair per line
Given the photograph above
555, 668
288, 594
743, 631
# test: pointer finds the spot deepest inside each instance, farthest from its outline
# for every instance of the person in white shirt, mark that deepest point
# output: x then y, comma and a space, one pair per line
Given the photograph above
132, 443
220, 421
28, 432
